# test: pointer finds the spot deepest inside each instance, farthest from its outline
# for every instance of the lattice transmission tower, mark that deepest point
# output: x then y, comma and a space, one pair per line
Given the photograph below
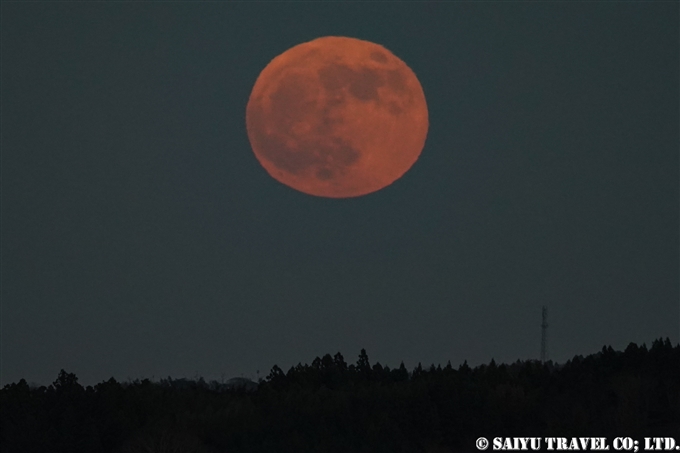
544, 334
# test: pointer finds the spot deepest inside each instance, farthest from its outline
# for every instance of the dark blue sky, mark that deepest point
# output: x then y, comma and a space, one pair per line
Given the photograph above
141, 237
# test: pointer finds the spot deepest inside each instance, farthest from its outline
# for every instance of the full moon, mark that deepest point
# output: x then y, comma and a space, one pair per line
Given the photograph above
337, 117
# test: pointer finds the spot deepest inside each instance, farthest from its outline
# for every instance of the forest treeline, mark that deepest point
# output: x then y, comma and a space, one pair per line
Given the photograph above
332, 406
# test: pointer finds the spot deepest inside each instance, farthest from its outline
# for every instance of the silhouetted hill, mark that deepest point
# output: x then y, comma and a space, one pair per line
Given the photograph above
332, 406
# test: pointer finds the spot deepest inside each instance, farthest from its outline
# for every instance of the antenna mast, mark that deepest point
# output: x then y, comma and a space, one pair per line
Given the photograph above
544, 335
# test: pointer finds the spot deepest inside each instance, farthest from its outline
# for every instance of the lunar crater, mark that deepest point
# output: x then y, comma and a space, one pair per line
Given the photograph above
378, 56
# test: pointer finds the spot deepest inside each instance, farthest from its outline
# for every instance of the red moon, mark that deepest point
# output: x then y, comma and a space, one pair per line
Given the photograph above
337, 117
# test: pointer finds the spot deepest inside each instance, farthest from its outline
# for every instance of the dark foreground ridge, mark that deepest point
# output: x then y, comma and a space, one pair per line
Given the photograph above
330, 406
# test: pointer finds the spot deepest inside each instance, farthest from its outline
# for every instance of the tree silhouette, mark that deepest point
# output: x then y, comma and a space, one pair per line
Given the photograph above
334, 407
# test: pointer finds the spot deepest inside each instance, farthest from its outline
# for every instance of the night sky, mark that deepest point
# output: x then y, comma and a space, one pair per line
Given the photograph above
142, 238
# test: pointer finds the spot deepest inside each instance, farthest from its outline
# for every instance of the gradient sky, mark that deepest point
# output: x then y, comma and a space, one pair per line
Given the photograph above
142, 238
